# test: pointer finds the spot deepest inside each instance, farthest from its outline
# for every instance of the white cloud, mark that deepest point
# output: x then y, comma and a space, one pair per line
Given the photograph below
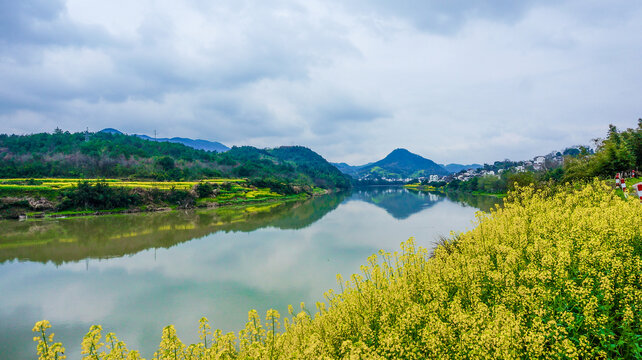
473, 83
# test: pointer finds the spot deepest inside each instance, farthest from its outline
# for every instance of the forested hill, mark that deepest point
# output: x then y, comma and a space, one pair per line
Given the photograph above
111, 155
401, 163
296, 163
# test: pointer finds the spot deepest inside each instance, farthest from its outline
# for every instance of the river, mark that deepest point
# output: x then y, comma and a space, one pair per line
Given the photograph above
136, 273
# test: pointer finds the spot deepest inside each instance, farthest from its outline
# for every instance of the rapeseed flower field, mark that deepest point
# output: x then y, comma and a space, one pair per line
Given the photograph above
553, 274
59, 184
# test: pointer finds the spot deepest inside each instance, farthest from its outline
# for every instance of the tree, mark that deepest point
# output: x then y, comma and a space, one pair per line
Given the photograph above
166, 163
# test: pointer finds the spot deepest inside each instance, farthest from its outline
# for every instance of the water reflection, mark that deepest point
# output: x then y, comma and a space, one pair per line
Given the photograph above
399, 202
102, 237
135, 274
481, 202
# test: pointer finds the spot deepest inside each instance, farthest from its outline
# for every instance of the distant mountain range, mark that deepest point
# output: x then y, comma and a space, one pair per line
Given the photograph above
195, 144
399, 164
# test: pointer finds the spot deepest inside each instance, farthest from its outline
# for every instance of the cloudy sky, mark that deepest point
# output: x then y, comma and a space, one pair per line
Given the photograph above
352, 80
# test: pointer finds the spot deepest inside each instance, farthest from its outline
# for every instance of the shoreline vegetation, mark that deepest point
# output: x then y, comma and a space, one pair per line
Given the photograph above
554, 273
45, 174
44, 198
501, 195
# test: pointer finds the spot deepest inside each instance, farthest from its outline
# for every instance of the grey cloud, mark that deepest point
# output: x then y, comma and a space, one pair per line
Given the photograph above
319, 74
228, 54
41, 22
446, 17
341, 111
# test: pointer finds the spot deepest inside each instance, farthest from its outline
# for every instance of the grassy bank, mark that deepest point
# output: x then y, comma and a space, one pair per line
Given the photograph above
52, 197
548, 275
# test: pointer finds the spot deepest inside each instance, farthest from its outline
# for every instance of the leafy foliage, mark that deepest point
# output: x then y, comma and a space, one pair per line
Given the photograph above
552, 274
205, 189
98, 196
618, 152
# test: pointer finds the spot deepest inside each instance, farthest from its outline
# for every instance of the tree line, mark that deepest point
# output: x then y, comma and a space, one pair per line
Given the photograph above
107, 155
619, 151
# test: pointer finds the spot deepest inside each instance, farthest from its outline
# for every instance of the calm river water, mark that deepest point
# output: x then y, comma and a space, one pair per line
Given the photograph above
134, 274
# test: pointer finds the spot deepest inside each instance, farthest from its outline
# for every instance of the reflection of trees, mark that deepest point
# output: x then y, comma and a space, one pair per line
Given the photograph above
397, 201
75, 239
481, 202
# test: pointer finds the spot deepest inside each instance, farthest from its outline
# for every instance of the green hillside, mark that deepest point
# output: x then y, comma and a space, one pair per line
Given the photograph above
401, 163
112, 155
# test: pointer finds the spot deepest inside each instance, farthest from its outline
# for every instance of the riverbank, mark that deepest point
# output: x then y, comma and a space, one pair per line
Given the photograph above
502, 194
441, 190
51, 198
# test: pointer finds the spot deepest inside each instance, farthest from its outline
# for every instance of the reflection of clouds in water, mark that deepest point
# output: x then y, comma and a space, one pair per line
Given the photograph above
263, 259
277, 260
59, 295
221, 275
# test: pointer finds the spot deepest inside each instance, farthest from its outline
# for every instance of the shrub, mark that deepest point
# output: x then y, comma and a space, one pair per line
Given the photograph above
98, 196
273, 184
182, 198
204, 189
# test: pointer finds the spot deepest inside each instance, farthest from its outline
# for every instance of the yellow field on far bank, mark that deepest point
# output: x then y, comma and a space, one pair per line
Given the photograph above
58, 184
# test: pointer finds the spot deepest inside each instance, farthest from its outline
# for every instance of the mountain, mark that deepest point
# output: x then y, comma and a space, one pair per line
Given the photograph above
399, 164
111, 154
194, 144
455, 168
111, 131
292, 163
348, 169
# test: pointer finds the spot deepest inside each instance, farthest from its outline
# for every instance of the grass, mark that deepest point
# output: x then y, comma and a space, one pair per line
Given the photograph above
499, 195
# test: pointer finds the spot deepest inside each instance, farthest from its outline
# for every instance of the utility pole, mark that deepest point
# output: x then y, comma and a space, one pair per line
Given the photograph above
155, 135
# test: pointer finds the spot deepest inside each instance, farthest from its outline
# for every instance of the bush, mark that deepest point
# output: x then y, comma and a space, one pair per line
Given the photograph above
204, 189
275, 185
182, 198
98, 196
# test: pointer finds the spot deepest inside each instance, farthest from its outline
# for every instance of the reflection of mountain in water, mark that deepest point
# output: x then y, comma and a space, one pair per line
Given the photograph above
397, 201
75, 239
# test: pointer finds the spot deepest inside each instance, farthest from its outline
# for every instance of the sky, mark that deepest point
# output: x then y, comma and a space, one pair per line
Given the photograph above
454, 81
